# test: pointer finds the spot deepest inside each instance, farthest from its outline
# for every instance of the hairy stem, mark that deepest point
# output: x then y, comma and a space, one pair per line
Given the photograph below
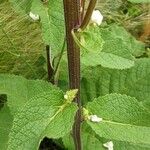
73, 20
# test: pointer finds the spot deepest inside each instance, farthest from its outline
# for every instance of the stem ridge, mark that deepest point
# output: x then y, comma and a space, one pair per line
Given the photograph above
73, 20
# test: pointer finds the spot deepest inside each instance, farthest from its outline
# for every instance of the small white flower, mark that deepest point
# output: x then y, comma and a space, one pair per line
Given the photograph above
97, 17
35, 17
109, 145
65, 96
94, 118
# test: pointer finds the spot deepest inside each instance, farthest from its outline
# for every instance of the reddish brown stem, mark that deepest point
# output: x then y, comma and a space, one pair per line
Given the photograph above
72, 20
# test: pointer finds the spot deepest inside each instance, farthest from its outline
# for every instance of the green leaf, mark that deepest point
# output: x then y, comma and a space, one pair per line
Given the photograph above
90, 40
52, 19
110, 106
6, 120
45, 115
117, 51
139, 1
62, 123
124, 119
122, 132
30, 109
136, 48
99, 81
90, 141
107, 60
129, 146
19, 90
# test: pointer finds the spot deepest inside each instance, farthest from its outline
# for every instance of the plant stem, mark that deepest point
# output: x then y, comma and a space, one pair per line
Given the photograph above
73, 20
49, 67
59, 56
88, 14
83, 8
59, 59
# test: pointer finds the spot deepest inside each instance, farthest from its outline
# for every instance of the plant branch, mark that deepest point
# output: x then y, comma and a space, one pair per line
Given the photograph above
88, 14
83, 8
59, 59
59, 56
73, 20
49, 67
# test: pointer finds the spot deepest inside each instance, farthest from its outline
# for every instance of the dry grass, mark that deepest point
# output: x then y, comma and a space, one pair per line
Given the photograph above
21, 44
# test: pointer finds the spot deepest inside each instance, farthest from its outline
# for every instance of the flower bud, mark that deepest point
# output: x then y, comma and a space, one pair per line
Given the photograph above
66, 96
96, 17
35, 17
94, 118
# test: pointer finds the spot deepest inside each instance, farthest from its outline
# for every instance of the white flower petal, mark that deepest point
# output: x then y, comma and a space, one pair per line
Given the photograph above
35, 17
94, 118
109, 145
97, 17
65, 96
